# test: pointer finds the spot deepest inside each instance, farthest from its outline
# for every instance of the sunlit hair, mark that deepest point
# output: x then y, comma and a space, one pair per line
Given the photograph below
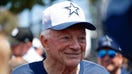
5, 54
46, 33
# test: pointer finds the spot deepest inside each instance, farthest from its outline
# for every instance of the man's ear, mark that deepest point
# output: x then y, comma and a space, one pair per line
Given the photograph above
43, 41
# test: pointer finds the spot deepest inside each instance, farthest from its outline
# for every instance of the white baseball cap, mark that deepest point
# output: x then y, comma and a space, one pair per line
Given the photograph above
63, 15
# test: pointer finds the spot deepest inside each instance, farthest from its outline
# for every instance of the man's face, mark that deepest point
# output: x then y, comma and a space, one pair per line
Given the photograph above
109, 61
17, 50
67, 46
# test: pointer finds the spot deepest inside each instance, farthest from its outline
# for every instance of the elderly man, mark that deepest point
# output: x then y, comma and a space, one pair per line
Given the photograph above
64, 40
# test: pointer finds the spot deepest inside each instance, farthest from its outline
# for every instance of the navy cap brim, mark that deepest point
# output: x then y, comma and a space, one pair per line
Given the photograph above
68, 24
108, 47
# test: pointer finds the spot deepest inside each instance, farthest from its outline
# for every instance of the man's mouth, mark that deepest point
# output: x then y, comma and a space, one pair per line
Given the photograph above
73, 55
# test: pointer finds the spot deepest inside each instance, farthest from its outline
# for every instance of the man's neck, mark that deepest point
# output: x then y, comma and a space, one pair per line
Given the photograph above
56, 68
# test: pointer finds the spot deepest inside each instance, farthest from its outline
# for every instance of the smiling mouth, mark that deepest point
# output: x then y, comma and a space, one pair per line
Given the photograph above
73, 55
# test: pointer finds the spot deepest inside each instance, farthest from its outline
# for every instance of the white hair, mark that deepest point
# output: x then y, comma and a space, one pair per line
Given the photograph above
46, 33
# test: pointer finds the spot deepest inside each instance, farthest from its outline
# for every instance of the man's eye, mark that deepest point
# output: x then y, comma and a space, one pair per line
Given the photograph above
65, 38
82, 39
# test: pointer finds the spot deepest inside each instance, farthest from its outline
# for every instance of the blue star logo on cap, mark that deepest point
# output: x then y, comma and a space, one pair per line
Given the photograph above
72, 9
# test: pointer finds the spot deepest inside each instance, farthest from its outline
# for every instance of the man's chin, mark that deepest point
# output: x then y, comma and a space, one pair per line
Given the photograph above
110, 68
73, 62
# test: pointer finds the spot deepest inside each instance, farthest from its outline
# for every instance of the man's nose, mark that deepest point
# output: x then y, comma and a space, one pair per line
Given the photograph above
106, 57
75, 44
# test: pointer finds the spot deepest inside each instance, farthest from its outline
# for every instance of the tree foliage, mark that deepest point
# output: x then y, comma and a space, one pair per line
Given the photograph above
7, 21
17, 6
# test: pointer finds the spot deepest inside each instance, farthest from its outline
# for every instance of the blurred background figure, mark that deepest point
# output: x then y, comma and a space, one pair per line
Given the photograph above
118, 22
5, 54
18, 45
38, 47
109, 55
22, 49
